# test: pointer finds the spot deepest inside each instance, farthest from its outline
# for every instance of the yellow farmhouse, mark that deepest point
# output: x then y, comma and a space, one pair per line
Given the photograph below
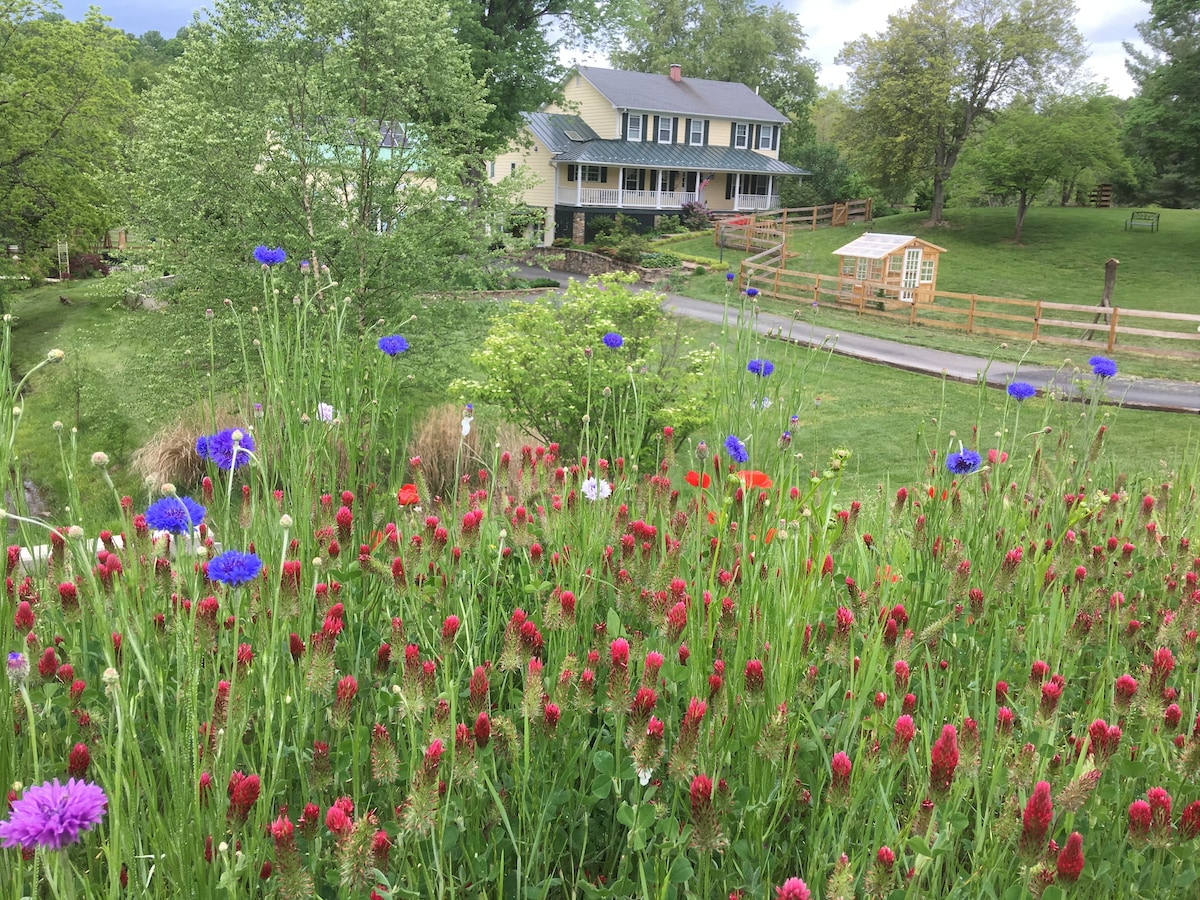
644, 145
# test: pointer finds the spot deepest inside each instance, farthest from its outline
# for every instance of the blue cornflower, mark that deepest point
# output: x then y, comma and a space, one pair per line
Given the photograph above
178, 515
219, 448
269, 256
1102, 366
393, 345
1021, 390
751, 292
612, 340
729, 276
736, 449
234, 567
760, 367
964, 462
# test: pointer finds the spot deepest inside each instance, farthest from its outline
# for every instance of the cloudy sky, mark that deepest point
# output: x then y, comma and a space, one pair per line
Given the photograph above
828, 24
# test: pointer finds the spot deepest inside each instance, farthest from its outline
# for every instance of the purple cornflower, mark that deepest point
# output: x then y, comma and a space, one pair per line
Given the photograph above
18, 667
53, 815
760, 367
393, 344
1102, 366
222, 449
178, 515
729, 276
269, 256
964, 462
1021, 390
736, 449
751, 292
612, 340
234, 567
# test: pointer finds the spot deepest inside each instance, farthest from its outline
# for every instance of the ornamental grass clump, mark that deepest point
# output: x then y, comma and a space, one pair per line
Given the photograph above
686, 662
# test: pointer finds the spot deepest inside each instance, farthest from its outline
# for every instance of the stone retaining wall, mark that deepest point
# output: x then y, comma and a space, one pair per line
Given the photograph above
584, 262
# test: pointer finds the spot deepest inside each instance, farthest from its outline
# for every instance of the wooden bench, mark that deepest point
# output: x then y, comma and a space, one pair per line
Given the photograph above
1142, 219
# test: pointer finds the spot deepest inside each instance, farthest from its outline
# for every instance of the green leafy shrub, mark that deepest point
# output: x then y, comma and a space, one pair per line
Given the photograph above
631, 249
659, 260
548, 368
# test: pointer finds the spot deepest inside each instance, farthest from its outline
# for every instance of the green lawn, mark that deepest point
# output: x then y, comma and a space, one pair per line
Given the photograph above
1061, 259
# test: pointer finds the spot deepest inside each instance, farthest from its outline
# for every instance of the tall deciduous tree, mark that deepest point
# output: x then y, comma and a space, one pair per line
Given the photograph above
918, 89
62, 103
1026, 149
338, 129
726, 40
1164, 118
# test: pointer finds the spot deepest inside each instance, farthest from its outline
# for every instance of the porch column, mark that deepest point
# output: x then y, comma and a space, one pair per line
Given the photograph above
621, 188
770, 189
658, 195
578, 185
699, 185
737, 190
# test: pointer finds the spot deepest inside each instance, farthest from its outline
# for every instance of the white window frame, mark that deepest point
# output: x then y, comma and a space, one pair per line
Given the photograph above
629, 129
696, 138
766, 137
589, 173
666, 126
741, 135
927, 266
632, 179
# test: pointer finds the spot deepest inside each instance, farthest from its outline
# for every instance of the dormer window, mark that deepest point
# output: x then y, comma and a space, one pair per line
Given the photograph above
741, 135
633, 131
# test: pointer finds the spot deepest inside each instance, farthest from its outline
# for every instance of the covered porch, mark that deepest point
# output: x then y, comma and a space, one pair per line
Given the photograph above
628, 187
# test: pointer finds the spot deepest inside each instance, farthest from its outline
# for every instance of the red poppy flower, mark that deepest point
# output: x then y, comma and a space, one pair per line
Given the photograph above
752, 478
408, 495
712, 517
695, 479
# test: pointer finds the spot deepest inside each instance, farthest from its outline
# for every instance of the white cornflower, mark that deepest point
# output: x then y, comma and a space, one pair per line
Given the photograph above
596, 489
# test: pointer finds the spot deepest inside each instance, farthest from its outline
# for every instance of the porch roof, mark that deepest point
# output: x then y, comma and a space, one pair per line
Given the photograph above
648, 155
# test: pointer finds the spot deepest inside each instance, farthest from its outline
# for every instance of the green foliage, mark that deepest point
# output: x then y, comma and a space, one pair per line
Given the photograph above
918, 89
631, 249
336, 130
832, 177
659, 260
63, 106
696, 216
547, 368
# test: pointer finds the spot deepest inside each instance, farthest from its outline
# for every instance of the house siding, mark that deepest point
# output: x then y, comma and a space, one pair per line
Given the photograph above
536, 160
581, 99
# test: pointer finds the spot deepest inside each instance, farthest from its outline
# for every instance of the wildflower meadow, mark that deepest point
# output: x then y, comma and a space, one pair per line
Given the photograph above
649, 664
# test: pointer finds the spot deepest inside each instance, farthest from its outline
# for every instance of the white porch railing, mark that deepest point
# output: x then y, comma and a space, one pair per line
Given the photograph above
756, 201
620, 199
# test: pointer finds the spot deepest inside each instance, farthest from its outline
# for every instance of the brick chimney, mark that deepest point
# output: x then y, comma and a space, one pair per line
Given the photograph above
676, 72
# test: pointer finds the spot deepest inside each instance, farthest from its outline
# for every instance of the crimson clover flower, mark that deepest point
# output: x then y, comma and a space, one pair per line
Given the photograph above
612, 340
269, 256
1102, 367
177, 515
234, 567
736, 449
53, 815
964, 462
393, 344
229, 448
1021, 390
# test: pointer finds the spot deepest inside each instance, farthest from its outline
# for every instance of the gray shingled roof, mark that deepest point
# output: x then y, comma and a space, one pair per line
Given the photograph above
688, 96
637, 154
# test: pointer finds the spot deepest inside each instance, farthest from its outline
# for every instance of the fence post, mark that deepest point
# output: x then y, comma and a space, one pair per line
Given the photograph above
1037, 319
912, 312
1112, 329
971, 315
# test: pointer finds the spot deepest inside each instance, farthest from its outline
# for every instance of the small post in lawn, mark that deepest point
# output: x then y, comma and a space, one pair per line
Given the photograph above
1110, 281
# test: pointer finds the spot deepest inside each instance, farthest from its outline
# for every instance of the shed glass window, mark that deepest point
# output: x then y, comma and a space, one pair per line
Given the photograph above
895, 263
926, 271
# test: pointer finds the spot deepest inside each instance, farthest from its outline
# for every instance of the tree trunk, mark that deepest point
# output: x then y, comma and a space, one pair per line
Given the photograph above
1022, 208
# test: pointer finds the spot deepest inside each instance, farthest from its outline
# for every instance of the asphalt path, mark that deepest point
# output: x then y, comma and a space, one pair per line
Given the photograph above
1137, 393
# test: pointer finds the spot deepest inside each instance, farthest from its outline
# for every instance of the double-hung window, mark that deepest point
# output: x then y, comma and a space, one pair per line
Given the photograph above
696, 136
741, 135
633, 131
766, 137
664, 130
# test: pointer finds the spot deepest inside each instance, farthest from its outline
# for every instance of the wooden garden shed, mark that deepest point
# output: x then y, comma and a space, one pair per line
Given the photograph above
888, 268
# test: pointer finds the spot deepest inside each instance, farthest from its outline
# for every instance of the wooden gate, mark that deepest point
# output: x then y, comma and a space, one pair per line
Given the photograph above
839, 214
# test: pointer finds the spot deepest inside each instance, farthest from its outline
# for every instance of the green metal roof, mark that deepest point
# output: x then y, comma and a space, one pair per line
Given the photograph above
648, 155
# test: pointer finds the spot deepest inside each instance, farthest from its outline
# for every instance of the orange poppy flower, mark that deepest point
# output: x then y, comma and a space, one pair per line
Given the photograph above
712, 517
695, 479
752, 478
408, 495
